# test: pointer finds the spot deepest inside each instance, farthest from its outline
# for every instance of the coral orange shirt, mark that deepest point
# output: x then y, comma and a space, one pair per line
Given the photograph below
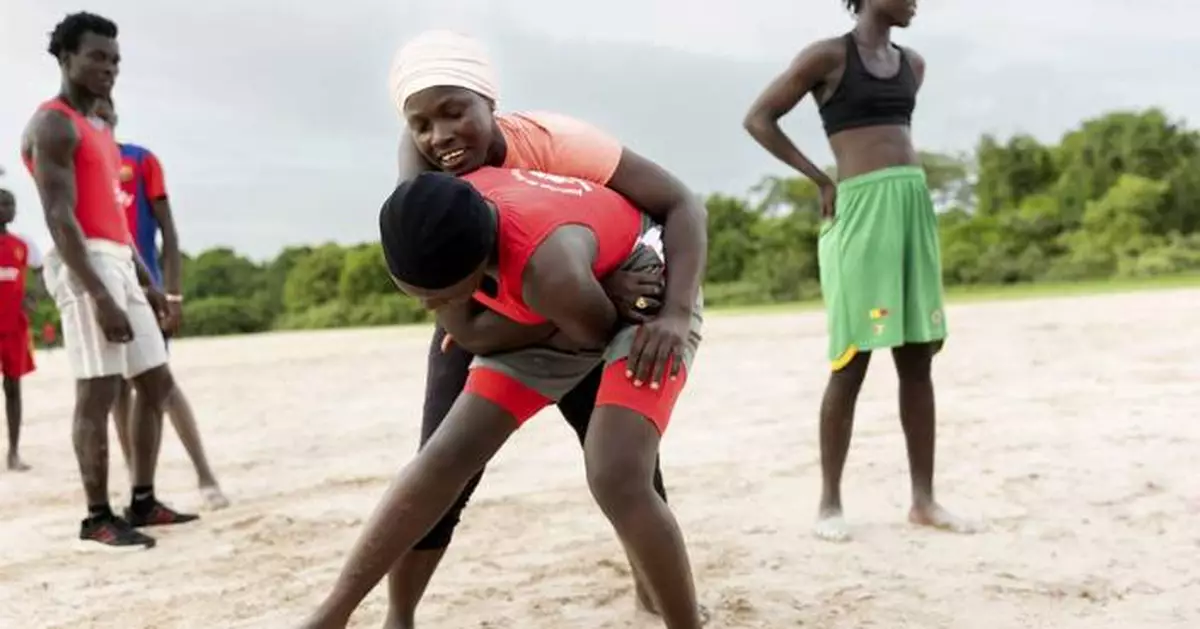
559, 145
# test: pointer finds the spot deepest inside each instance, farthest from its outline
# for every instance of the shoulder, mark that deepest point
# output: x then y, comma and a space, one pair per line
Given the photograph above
914, 58
542, 121
916, 61
561, 145
556, 260
828, 53
555, 128
136, 151
51, 126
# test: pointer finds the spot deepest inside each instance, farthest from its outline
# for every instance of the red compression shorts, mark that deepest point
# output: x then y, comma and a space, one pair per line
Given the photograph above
522, 401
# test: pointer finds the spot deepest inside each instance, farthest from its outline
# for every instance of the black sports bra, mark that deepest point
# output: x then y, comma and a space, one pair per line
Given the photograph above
863, 99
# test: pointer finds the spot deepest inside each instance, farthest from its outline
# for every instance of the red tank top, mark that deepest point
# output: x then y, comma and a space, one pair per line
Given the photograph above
14, 260
97, 178
531, 206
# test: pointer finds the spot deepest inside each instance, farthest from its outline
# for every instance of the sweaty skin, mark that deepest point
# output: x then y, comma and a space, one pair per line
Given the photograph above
818, 70
620, 450
445, 120
455, 130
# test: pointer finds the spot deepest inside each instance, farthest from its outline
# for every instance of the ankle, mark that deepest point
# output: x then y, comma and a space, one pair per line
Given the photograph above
831, 502
101, 511
922, 499
142, 497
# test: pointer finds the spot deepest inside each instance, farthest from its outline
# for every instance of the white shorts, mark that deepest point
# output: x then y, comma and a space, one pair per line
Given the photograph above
88, 352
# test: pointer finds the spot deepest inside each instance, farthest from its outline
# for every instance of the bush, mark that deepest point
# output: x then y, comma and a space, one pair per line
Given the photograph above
314, 279
213, 316
375, 310
735, 294
365, 275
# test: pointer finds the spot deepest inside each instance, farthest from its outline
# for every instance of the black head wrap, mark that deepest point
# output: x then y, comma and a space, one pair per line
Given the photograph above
436, 229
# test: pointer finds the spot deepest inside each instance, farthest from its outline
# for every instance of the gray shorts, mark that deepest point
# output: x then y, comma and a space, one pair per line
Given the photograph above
89, 353
553, 372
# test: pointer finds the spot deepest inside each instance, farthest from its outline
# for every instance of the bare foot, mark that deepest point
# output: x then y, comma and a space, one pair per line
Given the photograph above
934, 516
831, 526
15, 464
213, 497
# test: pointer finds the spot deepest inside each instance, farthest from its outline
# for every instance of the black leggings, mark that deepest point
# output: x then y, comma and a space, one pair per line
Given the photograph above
445, 379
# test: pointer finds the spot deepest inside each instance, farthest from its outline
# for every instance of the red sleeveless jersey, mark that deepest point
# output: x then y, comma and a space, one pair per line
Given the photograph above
531, 206
14, 262
97, 178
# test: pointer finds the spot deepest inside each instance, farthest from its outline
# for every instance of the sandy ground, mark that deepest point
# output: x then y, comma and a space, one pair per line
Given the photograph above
1071, 426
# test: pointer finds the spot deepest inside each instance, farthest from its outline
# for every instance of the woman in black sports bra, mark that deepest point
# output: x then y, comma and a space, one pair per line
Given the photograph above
879, 253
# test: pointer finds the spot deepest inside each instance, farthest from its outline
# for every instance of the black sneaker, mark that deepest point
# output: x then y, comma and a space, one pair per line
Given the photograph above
113, 533
158, 514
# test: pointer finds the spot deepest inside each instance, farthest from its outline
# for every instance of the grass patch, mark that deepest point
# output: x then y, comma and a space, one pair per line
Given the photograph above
970, 294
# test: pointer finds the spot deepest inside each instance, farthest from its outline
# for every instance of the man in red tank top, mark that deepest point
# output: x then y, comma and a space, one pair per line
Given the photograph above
16, 346
545, 241
108, 309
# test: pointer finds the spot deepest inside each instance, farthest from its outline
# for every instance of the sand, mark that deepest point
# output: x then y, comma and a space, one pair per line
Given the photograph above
1070, 426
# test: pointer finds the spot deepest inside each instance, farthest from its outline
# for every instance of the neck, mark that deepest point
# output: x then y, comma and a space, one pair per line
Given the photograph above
78, 98
4, 228
872, 31
498, 151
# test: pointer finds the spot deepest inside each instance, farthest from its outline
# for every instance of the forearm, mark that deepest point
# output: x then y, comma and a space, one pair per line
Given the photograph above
72, 250
172, 264
685, 244
482, 331
409, 509
139, 265
771, 137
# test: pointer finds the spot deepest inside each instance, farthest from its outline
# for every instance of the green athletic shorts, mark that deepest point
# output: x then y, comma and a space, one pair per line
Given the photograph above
881, 268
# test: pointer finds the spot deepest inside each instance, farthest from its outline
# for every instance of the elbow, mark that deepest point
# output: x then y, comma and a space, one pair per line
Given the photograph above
752, 123
757, 123
478, 346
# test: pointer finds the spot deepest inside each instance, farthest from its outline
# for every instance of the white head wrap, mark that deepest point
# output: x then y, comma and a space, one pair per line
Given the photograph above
441, 58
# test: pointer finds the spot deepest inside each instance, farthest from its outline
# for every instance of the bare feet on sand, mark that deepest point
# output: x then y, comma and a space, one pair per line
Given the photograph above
932, 514
213, 497
831, 526
15, 464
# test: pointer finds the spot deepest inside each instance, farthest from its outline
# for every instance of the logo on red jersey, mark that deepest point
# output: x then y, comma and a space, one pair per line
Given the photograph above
125, 199
126, 173
554, 183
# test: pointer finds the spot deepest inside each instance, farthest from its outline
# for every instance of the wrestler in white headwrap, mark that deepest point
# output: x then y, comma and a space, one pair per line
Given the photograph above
441, 58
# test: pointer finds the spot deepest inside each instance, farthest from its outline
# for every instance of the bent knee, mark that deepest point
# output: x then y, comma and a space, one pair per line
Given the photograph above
156, 385
619, 485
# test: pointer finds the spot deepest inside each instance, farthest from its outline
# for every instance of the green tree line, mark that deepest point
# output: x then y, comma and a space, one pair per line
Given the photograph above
1119, 196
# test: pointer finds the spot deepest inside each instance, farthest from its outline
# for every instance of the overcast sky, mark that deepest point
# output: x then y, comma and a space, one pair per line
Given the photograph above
276, 129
